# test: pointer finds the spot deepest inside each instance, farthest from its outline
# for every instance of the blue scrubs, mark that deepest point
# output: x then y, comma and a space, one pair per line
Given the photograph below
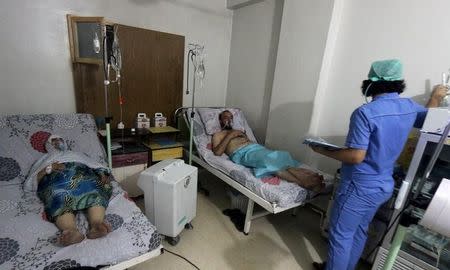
381, 128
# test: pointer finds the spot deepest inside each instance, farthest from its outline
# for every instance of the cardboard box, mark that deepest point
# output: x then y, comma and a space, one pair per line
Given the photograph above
142, 121
159, 120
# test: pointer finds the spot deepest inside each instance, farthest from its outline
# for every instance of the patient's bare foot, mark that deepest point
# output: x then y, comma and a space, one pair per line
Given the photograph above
308, 179
70, 237
98, 230
319, 188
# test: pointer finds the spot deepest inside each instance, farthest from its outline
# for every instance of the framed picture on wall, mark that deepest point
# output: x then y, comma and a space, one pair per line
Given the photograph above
86, 39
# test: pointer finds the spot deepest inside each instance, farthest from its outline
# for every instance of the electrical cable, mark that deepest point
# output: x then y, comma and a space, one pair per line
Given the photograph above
365, 93
196, 267
121, 113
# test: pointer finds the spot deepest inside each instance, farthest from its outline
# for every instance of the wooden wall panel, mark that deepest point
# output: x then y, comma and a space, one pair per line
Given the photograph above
89, 91
152, 77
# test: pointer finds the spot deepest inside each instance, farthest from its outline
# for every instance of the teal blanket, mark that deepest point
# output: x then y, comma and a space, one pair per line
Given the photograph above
263, 161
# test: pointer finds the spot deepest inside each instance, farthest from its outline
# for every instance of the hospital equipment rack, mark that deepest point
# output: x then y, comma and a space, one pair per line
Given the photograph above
417, 250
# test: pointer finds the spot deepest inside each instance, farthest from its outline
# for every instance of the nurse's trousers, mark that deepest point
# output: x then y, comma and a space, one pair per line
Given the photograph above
350, 218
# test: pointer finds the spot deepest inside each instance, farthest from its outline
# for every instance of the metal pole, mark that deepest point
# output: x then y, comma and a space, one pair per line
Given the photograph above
108, 144
433, 160
106, 83
395, 247
191, 132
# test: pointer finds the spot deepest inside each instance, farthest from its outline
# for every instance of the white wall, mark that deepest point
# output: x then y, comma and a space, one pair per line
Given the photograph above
414, 31
36, 76
253, 53
303, 36
235, 4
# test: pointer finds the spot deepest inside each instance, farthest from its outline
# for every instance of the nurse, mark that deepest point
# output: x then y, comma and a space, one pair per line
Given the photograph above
377, 133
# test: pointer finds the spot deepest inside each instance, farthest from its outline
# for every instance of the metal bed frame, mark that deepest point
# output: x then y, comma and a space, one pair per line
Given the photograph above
270, 207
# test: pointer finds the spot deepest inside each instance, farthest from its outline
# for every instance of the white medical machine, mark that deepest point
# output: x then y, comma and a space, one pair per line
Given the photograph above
436, 120
435, 213
170, 192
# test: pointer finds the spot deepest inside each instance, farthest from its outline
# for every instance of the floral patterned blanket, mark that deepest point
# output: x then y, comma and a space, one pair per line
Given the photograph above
27, 239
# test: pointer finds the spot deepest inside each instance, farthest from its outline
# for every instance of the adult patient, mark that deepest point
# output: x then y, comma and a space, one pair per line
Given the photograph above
67, 182
263, 161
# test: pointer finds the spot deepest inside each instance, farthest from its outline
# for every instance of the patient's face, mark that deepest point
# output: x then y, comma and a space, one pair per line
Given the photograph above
58, 143
226, 120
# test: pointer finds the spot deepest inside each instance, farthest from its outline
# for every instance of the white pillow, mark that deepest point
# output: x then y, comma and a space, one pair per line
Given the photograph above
210, 118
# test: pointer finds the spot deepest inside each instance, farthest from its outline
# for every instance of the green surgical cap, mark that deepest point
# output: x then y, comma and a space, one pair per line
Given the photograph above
386, 70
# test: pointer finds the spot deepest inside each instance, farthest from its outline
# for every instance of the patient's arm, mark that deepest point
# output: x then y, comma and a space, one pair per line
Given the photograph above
348, 155
221, 140
40, 175
56, 166
104, 179
103, 174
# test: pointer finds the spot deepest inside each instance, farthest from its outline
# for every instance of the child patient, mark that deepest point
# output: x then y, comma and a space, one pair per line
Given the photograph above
263, 161
68, 182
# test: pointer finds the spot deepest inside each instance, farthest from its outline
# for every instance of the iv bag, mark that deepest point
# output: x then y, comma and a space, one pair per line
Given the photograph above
116, 57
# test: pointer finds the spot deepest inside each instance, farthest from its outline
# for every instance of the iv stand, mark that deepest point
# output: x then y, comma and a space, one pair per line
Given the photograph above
106, 83
191, 54
116, 65
192, 114
191, 135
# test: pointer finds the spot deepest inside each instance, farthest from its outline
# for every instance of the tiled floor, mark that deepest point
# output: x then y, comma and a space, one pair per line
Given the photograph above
279, 241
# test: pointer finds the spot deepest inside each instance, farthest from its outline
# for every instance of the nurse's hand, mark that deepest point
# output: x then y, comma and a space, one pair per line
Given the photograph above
439, 92
316, 149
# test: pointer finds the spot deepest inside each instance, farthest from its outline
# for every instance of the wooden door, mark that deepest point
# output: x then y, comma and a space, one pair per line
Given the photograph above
151, 77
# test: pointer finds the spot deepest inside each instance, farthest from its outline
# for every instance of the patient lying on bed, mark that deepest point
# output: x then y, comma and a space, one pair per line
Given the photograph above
67, 182
263, 161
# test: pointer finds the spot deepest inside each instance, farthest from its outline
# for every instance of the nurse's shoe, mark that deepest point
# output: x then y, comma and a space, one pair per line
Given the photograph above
319, 266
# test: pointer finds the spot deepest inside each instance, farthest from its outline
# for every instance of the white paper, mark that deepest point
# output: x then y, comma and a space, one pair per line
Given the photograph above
437, 215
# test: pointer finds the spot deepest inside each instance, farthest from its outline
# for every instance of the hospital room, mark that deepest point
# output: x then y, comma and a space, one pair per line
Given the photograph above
225, 134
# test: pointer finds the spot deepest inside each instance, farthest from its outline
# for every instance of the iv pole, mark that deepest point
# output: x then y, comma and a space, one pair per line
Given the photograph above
193, 53
192, 114
116, 63
106, 82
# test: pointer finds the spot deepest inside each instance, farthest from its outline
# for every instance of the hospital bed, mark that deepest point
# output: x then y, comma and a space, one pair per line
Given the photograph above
27, 239
272, 194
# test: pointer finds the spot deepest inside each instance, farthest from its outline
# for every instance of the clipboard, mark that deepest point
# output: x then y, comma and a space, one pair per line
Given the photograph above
321, 143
